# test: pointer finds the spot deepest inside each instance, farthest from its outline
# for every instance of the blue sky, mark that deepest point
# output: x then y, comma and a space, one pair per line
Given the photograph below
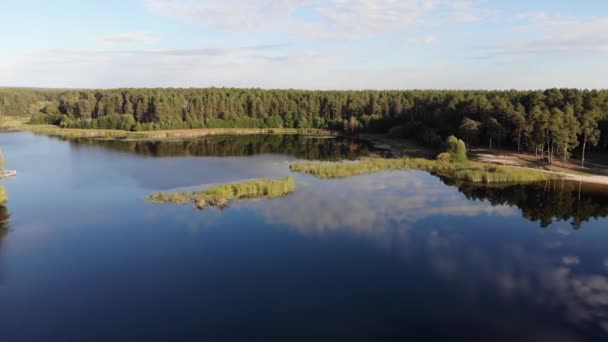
312, 44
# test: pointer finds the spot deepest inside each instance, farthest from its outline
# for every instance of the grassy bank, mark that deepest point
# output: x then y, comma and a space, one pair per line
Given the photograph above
469, 171
221, 195
21, 123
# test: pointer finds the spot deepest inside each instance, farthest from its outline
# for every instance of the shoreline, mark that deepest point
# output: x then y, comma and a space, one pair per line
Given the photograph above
397, 147
20, 124
401, 147
572, 176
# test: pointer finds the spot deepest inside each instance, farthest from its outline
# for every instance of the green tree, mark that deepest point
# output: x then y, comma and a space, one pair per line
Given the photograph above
565, 130
527, 118
469, 130
589, 130
456, 148
517, 118
494, 130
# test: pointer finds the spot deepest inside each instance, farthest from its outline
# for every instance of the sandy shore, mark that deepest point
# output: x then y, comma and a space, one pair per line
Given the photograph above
598, 174
523, 161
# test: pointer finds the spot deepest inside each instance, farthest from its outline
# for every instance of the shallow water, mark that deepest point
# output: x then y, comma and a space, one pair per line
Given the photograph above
391, 255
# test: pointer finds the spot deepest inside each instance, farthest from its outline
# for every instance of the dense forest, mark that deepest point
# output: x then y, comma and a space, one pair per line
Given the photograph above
554, 121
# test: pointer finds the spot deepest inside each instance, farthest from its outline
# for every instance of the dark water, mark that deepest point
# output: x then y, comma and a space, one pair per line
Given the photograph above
391, 256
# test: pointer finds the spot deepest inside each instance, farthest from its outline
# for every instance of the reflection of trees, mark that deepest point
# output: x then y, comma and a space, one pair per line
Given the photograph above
299, 146
544, 202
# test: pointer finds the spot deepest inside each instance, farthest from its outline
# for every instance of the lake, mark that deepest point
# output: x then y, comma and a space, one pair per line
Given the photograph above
394, 255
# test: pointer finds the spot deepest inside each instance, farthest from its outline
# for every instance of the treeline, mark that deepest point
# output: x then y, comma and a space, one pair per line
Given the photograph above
554, 121
17, 101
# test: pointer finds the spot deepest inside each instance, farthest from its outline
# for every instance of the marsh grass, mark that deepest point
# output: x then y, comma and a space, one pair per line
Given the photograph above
3, 195
221, 195
469, 171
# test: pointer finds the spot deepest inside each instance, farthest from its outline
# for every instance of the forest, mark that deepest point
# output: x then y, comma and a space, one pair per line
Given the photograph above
555, 122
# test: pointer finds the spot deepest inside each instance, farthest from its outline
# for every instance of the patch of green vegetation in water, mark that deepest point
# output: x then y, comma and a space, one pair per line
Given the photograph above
469, 171
221, 195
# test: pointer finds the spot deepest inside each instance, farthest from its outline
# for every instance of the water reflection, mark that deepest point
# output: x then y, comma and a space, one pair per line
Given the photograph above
478, 245
394, 253
411, 196
545, 202
574, 288
372, 203
4, 224
304, 147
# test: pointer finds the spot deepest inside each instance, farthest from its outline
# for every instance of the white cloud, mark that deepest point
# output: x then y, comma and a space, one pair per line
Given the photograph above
571, 260
228, 15
468, 11
127, 38
390, 197
239, 67
278, 67
425, 40
414, 51
360, 18
550, 34
429, 40
334, 19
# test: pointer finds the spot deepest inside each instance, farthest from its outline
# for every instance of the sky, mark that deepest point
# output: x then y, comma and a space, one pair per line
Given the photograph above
305, 44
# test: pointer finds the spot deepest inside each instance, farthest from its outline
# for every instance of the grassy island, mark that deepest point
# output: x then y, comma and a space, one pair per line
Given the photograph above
221, 195
469, 171
452, 163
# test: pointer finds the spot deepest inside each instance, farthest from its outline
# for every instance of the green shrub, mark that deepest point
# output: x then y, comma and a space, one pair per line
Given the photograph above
444, 157
456, 148
3, 195
46, 119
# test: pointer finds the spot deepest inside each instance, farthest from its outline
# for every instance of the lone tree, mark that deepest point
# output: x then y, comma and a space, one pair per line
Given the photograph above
589, 130
455, 150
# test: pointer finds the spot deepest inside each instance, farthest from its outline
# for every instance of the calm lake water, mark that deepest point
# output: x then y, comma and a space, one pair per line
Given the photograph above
394, 255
